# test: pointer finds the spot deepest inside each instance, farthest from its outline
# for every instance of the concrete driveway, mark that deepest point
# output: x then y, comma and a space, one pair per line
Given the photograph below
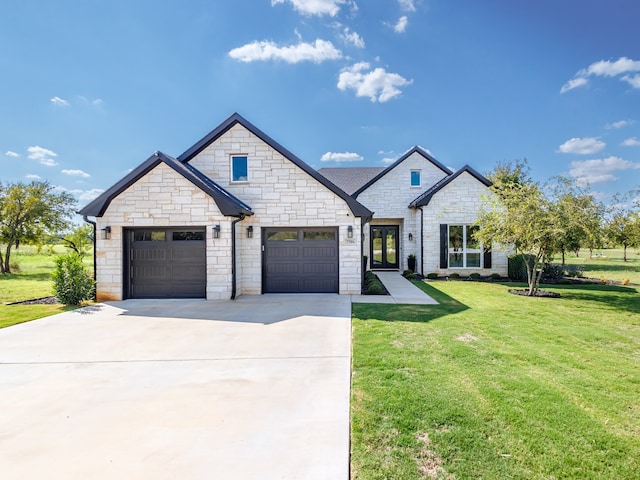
179, 389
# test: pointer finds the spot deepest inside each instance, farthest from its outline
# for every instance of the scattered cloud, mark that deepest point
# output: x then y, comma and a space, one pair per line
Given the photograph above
582, 146
88, 195
407, 5
12, 154
32, 176
379, 85
316, 52
61, 102
617, 125
341, 157
353, 38
387, 160
76, 173
314, 7
631, 142
606, 68
43, 155
600, 170
401, 26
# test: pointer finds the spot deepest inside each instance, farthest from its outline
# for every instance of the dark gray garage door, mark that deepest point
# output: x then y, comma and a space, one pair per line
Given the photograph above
300, 260
166, 263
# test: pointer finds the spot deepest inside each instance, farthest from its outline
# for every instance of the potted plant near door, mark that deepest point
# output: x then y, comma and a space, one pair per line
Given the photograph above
411, 262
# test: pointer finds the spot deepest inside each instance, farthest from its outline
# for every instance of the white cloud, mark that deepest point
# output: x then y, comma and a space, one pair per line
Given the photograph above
600, 170
43, 155
12, 154
377, 84
32, 176
341, 157
631, 142
401, 26
606, 68
59, 101
76, 173
407, 5
88, 195
388, 160
582, 146
353, 38
616, 125
314, 7
316, 52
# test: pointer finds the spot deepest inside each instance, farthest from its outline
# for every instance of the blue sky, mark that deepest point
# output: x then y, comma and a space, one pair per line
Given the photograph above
91, 89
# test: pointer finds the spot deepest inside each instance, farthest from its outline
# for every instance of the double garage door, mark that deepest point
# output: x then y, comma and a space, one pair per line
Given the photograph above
171, 263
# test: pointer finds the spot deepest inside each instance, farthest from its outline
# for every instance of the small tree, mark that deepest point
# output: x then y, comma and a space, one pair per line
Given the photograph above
72, 283
28, 212
79, 240
623, 224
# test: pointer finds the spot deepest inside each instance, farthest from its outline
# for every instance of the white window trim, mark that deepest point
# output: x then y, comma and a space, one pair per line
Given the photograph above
231, 157
419, 177
465, 251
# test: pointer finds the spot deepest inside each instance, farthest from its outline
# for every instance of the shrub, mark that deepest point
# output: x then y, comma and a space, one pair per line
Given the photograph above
454, 276
374, 288
432, 276
72, 284
517, 269
575, 271
475, 276
495, 276
625, 281
553, 271
14, 266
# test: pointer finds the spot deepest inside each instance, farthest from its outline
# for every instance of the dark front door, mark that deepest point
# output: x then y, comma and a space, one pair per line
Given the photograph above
384, 246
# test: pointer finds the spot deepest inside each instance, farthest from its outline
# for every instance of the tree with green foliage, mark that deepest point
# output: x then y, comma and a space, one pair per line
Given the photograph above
623, 224
29, 212
79, 240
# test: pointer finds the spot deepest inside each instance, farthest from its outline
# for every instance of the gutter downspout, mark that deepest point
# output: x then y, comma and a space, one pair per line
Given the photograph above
233, 255
95, 268
421, 241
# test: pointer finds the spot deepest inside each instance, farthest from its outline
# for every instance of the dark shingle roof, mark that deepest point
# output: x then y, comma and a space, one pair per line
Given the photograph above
350, 179
356, 207
425, 198
227, 203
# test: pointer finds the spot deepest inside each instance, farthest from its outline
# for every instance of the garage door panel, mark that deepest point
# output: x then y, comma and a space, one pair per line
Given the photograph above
166, 263
302, 260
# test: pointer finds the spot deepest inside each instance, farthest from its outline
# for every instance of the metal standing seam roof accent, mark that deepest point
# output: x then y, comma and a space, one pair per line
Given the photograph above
415, 149
228, 204
356, 207
425, 197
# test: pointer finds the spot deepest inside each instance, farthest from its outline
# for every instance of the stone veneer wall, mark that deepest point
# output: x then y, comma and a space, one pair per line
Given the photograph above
281, 195
390, 197
458, 203
162, 198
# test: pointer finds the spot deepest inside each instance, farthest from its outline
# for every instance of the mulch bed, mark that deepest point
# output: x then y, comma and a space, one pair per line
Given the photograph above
539, 293
37, 301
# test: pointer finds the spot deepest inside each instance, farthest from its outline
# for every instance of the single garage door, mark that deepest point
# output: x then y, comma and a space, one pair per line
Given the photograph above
300, 260
166, 263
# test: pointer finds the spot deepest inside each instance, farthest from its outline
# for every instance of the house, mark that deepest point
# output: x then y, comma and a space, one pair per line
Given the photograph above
237, 213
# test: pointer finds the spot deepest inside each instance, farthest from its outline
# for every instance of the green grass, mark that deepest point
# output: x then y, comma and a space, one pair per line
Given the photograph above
609, 266
495, 386
32, 280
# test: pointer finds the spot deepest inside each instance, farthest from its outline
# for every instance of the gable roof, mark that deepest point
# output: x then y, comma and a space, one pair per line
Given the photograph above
228, 204
356, 207
415, 149
350, 179
426, 197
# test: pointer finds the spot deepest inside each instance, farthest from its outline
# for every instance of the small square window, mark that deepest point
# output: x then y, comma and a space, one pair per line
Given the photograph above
415, 178
239, 169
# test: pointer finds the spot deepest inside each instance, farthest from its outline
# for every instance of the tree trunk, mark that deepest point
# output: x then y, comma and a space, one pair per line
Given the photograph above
7, 255
563, 256
624, 252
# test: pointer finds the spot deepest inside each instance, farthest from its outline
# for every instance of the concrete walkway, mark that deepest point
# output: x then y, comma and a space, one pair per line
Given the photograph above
179, 389
400, 290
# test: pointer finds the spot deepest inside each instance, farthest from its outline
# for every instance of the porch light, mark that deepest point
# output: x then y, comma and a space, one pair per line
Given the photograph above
250, 231
350, 231
411, 237
106, 233
216, 231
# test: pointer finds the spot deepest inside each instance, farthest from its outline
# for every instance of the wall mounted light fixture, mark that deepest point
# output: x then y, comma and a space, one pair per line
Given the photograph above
250, 231
106, 233
350, 231
216, 231
411, 237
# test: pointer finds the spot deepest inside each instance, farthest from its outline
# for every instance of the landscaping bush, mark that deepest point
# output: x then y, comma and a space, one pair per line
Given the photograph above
495, 276
454, 276
553, 271
432, 276
72, 284
517, 269
375, 288
475, 276
409, 275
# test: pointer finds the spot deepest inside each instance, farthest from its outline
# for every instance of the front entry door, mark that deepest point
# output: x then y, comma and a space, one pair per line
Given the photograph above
384, 246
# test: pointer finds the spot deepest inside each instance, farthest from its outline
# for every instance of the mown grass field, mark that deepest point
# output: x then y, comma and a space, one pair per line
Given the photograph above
495, 386
608, 264
32, 280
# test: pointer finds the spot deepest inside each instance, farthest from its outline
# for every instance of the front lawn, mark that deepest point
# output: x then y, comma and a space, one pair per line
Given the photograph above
607, 264
494, 386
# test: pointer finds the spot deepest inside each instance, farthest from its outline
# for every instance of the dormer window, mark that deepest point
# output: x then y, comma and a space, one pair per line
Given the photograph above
415, 178
239, 169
